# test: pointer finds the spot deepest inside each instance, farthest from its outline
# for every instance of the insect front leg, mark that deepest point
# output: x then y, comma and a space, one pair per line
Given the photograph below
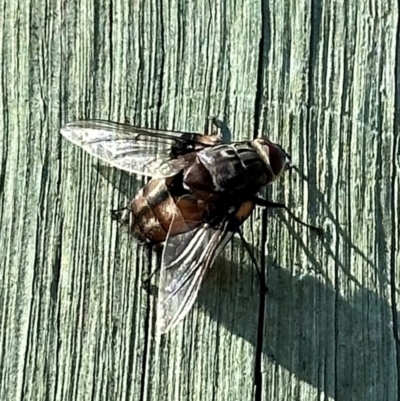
275, 205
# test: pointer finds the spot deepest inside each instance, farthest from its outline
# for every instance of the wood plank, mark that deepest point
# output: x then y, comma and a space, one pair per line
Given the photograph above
330, 323
75, 323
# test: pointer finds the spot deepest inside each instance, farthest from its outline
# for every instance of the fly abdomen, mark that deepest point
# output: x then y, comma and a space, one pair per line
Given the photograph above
155, 212
143, 217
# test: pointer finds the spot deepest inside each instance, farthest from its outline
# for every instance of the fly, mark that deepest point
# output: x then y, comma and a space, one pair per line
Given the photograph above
202, 190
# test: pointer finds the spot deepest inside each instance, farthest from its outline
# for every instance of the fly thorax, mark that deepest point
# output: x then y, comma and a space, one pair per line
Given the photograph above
275, 159
232, 168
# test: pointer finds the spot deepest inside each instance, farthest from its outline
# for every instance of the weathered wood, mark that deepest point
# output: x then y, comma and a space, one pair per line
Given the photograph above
75, 323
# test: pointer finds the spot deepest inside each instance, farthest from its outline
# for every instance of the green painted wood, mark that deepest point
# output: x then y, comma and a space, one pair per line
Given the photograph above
74, 321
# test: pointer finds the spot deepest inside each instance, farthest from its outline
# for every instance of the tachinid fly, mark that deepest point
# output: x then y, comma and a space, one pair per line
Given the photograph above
201, 191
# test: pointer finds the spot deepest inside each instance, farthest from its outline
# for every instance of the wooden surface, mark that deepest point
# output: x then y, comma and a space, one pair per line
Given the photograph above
320, 78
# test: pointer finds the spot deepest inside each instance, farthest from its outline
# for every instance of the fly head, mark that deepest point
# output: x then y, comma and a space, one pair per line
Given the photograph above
275, 158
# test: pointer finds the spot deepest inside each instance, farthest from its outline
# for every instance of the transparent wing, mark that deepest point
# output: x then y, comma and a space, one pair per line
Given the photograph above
144, 151
185, 262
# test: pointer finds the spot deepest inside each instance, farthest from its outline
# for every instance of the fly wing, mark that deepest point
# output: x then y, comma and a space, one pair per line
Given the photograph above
144, 151
185, 262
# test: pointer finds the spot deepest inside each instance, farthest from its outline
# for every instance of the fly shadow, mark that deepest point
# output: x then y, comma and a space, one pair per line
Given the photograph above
311, 330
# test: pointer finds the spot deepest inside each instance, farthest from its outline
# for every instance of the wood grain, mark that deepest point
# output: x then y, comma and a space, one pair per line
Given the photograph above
320, 78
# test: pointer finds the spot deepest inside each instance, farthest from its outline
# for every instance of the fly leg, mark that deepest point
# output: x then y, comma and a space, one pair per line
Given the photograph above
217, 127
116, 214
147, 280
213, 126
263, 284
121, 215
266, 203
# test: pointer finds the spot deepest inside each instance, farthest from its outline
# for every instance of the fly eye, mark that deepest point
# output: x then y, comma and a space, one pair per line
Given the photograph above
288, 157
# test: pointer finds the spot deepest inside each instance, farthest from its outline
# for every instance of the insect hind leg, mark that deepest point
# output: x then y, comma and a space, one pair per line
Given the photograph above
120, 214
